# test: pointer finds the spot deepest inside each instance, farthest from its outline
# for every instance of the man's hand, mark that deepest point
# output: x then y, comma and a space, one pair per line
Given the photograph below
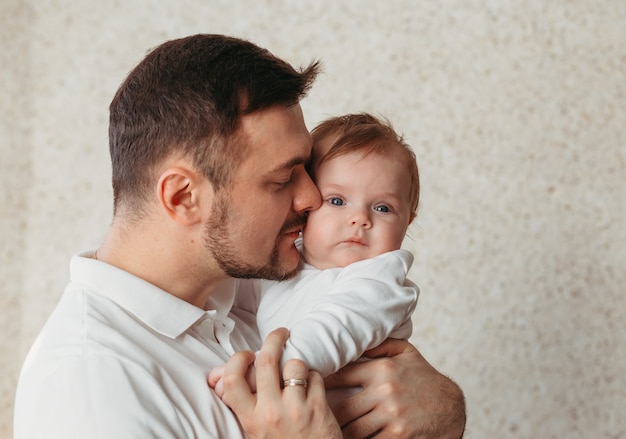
297, 411
403, 397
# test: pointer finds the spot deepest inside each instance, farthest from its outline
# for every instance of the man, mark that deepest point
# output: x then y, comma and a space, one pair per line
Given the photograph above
208, 146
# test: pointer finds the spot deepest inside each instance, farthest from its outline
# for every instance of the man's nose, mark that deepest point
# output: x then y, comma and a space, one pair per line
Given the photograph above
306, 195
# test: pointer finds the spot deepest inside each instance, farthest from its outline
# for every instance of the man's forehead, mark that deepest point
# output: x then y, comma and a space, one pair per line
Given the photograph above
275, 138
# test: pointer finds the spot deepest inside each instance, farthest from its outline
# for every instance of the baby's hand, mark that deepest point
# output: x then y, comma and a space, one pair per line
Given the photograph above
215, 379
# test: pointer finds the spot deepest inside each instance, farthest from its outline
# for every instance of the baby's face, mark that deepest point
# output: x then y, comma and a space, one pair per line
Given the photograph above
364, 213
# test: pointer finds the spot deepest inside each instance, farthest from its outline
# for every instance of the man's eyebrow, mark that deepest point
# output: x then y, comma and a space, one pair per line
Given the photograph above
289, 164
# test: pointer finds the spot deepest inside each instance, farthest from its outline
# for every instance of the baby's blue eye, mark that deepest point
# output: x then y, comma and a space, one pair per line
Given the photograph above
382, 208
336, 201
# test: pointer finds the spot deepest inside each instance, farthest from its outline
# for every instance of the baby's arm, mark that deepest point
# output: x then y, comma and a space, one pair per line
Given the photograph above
369, 302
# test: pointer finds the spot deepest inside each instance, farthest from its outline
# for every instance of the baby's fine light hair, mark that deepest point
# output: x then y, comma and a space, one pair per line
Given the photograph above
370, 135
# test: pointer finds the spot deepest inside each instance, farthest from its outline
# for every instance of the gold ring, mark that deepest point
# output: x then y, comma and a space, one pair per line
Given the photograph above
295, 382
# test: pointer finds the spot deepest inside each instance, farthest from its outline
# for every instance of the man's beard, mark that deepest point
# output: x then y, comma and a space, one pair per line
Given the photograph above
217, 241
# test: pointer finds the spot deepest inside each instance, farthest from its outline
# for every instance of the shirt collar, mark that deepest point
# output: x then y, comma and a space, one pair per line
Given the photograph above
163, 312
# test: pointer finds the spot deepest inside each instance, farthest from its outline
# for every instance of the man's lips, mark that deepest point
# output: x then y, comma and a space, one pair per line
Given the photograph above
292, 233
294, 227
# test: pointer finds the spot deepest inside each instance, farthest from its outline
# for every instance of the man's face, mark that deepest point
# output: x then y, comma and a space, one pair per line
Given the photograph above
255, 221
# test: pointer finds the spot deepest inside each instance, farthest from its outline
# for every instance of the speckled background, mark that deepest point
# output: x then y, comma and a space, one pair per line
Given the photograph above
517, 113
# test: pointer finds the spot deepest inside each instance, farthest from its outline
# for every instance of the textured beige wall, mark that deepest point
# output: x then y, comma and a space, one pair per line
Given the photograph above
517, 113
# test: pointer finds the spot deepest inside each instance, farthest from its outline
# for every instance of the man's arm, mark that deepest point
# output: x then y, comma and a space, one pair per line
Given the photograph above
403, 397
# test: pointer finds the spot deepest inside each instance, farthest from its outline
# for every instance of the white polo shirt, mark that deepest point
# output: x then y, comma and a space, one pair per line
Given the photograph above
121, 358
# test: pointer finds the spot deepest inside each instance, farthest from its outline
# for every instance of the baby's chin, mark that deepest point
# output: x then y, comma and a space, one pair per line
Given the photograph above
336, 261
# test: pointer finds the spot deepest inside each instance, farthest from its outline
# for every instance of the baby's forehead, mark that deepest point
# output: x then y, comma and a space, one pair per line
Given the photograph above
348, 164
373, 150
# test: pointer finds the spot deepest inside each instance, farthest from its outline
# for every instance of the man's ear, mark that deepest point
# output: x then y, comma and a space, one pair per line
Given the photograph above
180, 194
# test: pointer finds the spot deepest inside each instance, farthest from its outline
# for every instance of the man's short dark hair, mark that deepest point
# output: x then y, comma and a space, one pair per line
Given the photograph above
186, 97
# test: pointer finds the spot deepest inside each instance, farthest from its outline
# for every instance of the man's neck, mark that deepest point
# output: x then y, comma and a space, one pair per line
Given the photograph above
173, 265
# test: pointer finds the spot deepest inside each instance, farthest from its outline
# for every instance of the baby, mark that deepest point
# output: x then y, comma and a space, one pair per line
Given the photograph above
352, 292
